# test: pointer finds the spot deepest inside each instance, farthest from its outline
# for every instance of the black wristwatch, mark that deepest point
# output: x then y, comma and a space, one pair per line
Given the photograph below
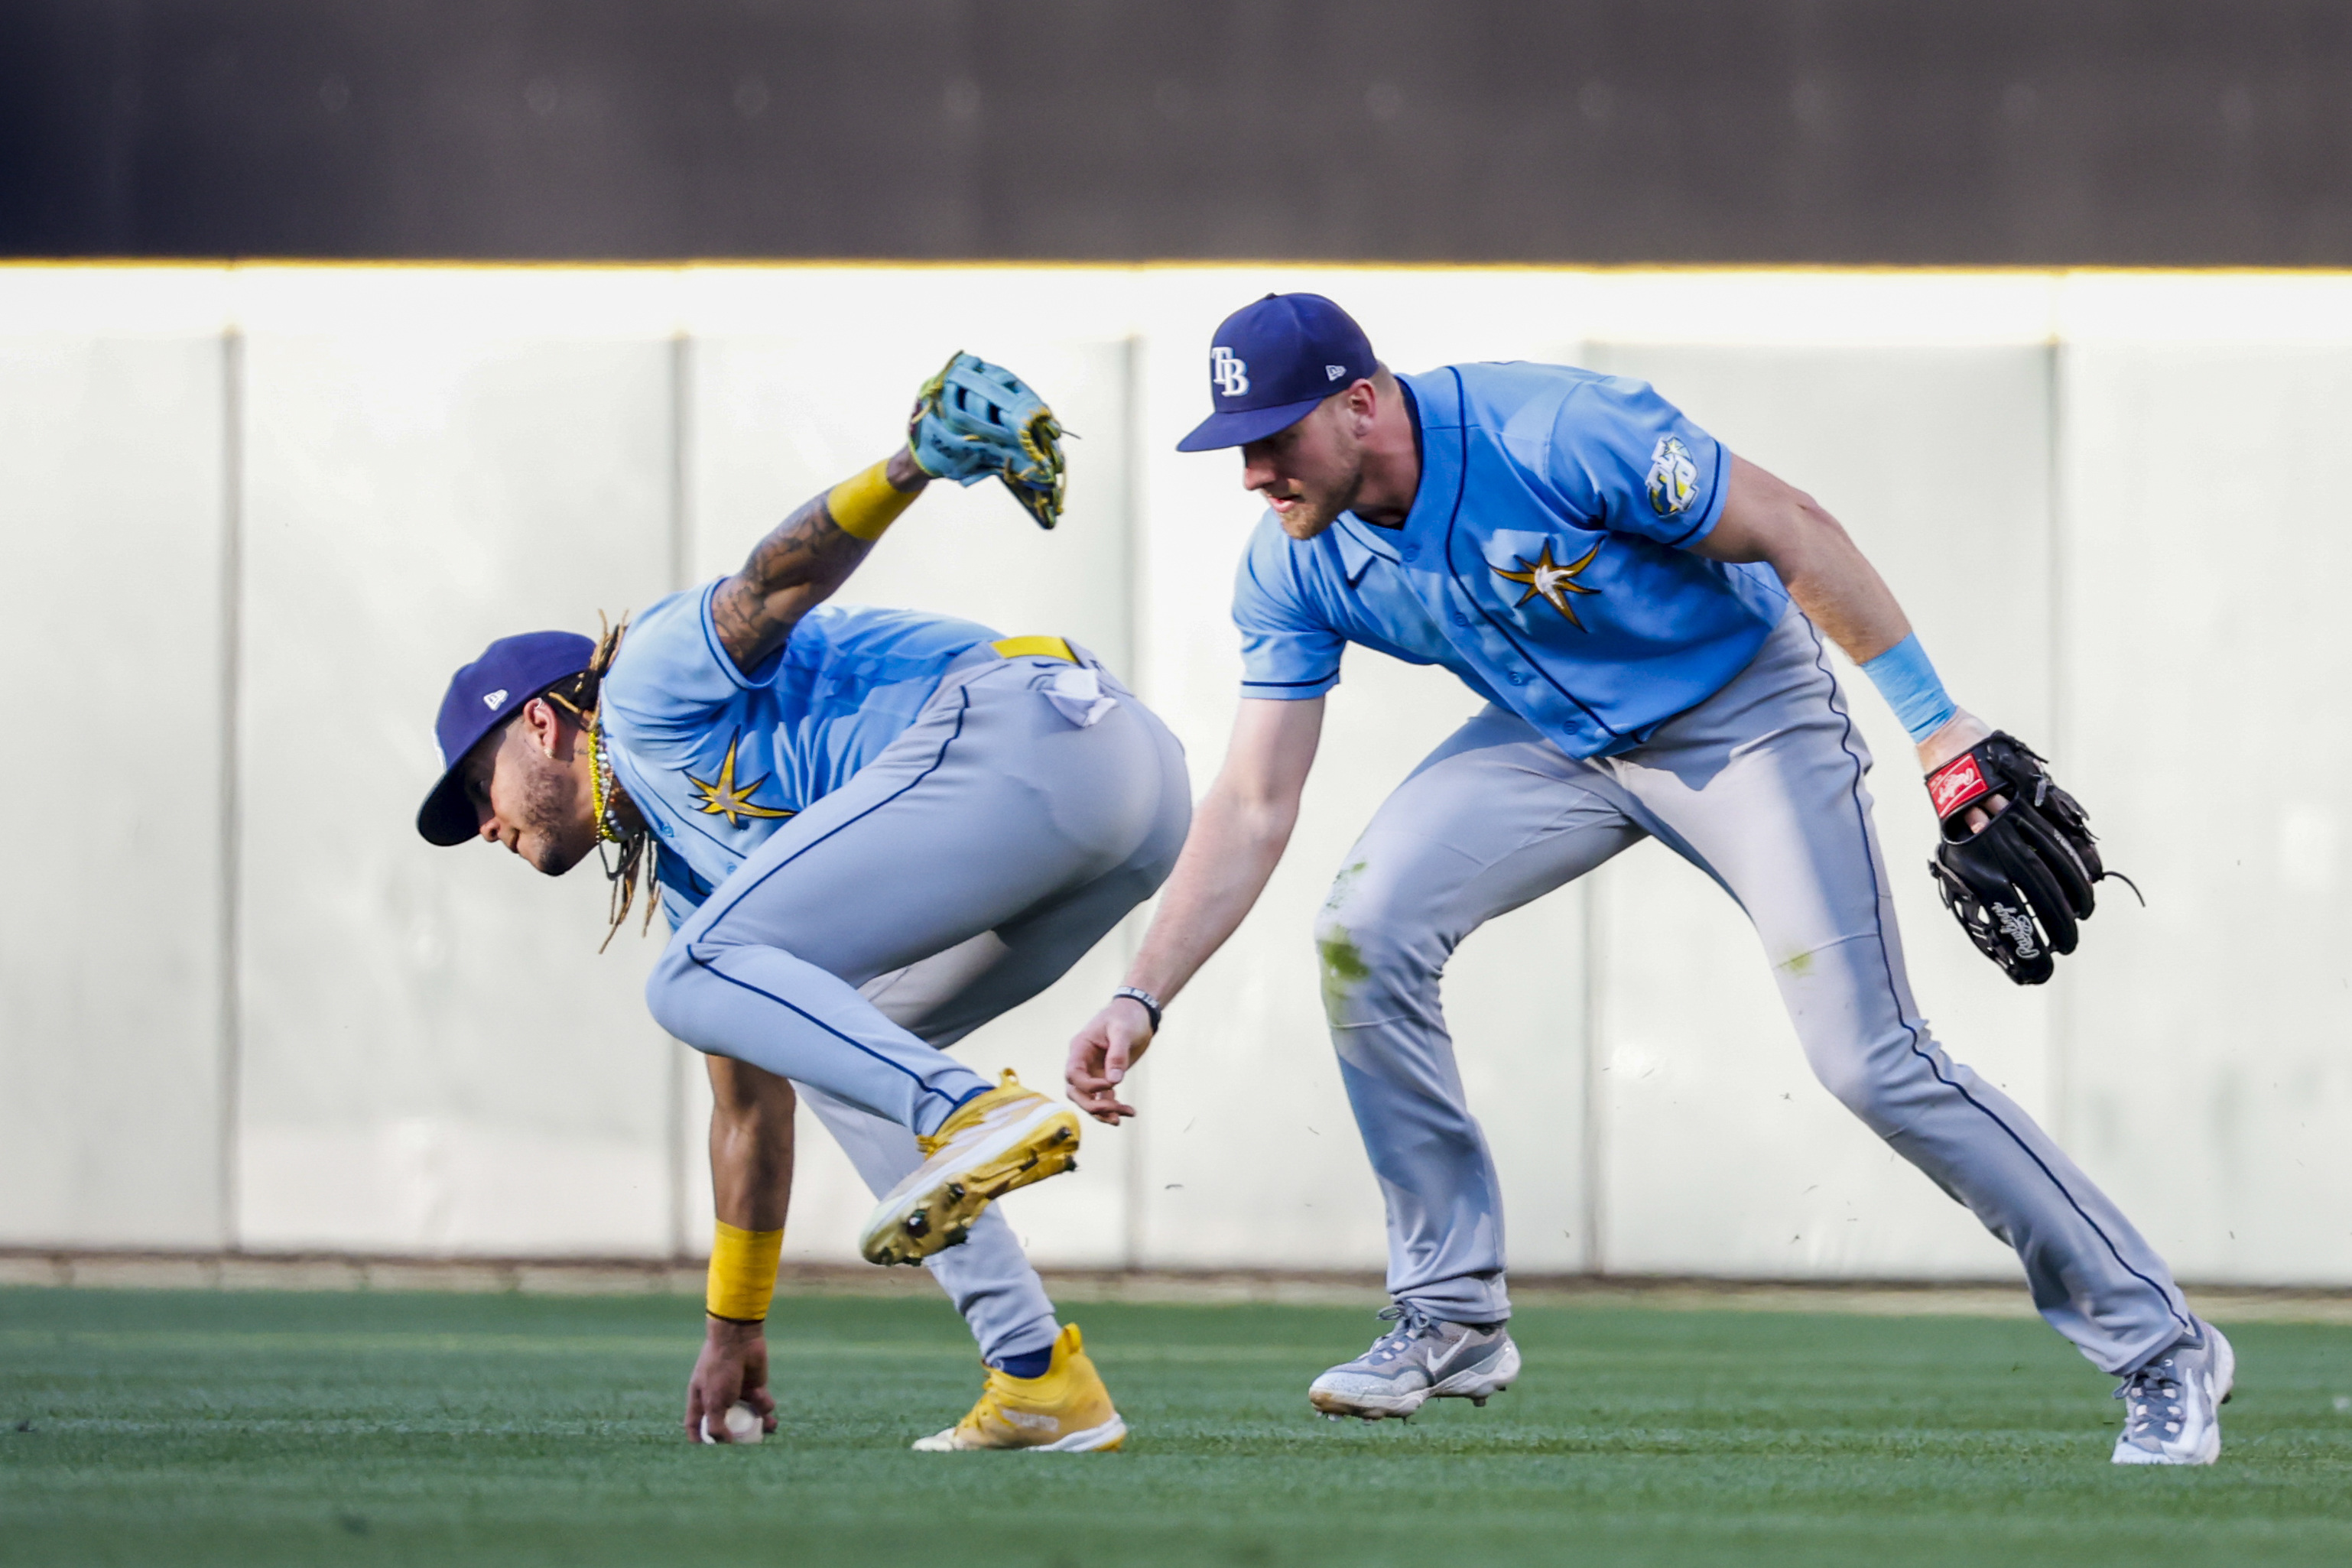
1149, 1003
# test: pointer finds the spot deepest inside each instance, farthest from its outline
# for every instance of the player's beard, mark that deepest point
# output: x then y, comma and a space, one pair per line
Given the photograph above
1317, 509
554, 836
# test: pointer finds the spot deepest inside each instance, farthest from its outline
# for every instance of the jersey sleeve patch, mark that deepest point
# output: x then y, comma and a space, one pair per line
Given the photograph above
1627, 458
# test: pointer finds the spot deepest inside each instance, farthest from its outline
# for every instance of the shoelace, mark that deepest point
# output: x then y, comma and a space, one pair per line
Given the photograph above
2154, 1396
1411, 1323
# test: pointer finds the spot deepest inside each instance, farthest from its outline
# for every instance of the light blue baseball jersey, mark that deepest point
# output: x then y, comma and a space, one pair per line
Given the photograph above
718, 760
1545, 560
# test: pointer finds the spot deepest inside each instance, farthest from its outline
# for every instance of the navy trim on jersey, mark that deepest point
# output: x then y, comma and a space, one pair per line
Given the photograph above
720, 656
1714, 512
1887, 958
1461, 485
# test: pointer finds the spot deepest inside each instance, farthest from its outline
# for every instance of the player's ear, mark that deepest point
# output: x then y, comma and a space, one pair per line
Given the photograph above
543, 725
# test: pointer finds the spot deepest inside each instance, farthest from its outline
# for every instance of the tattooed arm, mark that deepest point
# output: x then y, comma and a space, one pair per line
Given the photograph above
806, 558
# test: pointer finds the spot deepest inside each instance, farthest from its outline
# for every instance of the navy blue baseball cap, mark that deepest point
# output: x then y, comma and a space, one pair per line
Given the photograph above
482, 696
1272, 361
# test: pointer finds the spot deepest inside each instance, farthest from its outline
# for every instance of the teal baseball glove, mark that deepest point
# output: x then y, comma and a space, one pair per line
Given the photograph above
975, 420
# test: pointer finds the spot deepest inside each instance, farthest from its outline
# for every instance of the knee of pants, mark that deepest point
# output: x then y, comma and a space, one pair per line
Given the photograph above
1876, 1079
1379, 958
674, 995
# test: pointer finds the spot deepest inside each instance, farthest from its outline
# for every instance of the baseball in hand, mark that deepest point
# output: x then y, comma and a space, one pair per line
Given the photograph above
743, 1425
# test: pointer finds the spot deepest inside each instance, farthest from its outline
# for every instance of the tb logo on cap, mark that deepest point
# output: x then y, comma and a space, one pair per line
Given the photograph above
1231, 376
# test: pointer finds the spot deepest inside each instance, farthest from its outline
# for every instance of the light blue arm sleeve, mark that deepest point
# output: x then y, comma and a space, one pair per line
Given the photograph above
1288, 653
1912, 688
1627, 457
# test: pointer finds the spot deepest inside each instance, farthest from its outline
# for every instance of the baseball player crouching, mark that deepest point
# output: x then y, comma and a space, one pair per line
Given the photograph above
1644, 614
873, 830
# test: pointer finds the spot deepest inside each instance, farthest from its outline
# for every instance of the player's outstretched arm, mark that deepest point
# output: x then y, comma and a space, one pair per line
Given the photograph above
807, 558
973, 421
1238, 835
1767, 519
751, 1187
2016, 861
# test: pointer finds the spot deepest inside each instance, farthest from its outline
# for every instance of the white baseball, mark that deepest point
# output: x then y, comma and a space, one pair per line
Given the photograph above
743, 1425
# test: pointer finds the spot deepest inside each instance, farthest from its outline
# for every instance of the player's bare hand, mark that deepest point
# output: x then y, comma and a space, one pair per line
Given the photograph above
1961, 731
732, 1369
1113, 1042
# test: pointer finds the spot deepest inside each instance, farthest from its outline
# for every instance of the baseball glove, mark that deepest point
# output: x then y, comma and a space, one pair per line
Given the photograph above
975, 420
2021, 884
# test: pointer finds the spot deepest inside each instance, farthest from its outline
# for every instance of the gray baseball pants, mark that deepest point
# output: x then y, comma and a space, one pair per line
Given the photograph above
1761, 787
957, 875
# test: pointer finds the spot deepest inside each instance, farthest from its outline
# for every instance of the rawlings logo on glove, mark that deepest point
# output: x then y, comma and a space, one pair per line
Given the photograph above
1956, 783
2020, 883
975, 420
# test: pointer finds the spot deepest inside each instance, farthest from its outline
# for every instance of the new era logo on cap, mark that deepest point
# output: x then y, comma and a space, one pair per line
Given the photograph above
491, 700
1272, 361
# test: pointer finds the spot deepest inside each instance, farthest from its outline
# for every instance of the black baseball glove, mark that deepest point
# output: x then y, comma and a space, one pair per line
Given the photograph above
2021, 884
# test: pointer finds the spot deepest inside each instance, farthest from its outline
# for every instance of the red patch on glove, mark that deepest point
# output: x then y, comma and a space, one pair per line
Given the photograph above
1955, 784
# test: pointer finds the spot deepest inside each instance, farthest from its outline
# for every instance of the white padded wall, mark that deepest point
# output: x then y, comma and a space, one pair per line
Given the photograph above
2205, 489
112, 531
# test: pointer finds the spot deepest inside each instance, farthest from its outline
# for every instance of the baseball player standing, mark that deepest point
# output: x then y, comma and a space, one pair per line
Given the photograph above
873, 832
1645, 614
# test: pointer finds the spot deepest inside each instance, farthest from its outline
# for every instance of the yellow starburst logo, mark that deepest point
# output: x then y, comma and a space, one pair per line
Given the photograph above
1548, 580
720, 798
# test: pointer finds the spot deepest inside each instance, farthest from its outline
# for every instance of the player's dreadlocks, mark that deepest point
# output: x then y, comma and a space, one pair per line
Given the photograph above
635, 853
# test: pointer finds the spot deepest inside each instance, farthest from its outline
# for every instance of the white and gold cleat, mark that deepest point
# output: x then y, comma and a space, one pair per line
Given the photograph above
993, 1143
1066, 1410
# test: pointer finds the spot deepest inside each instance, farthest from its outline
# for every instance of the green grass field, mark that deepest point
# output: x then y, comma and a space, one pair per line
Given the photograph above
167, 1428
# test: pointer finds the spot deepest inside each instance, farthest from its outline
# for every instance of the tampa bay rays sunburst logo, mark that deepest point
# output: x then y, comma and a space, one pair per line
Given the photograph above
1548, 580
721, 798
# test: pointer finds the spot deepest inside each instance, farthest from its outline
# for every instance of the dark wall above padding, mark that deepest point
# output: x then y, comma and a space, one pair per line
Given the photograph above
1916, 131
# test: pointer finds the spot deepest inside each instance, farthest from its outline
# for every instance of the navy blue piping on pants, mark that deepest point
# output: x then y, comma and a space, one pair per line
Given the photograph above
1887, 958
710, 967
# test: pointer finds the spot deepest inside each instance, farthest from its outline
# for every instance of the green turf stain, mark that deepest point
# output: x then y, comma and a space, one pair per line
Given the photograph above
264, 1429
1343, 967
1802, 964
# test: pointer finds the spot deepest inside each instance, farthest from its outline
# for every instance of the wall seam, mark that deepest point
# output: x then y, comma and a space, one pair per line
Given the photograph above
230, 955
1594, 1177
678, 1062
2061, 1011
1136, 1196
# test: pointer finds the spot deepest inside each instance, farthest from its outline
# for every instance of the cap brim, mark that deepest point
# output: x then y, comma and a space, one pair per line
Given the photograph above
446, 817
1241, 428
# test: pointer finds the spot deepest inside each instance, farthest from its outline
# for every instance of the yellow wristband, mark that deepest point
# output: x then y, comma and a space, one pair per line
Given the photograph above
863, 507
743, 1272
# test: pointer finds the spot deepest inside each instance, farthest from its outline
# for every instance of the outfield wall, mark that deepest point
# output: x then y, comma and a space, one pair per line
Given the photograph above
250, 517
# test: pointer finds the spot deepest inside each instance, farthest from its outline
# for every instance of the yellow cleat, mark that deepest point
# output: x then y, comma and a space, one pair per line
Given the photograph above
995, 1143
1066, 1411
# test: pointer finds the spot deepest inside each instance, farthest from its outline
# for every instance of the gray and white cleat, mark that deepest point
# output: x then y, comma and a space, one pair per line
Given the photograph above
1419, 1360
2172, 1404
